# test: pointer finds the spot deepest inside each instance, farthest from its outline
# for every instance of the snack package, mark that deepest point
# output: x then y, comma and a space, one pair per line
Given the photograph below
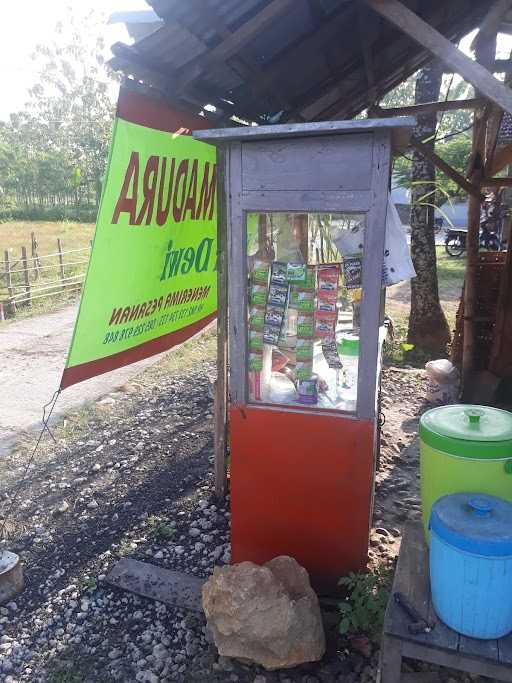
304, 349
303, 369
328, 276
258, 295
310, 282
255, 340
278, 273
260, 271
277, 295
274, 316
327, 302
331, 355
271, 334
325, 326
305, 325
256, 318
306, 300
296, 273
353, 271
255, 361
294, 297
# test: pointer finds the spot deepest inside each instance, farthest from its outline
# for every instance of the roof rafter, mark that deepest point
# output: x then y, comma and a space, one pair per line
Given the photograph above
427, 36
228, 47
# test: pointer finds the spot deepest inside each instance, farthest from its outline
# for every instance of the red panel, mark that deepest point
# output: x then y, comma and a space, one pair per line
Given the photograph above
301, 485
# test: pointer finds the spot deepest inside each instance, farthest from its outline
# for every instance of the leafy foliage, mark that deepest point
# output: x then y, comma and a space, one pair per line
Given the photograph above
161, 529
363, 609
53, 153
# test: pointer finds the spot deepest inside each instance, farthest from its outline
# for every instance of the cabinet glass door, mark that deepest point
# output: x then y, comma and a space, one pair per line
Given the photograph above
304, 294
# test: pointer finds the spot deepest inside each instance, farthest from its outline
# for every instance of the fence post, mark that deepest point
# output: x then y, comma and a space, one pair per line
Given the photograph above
35, 256
8, 281
25, 274
61, 261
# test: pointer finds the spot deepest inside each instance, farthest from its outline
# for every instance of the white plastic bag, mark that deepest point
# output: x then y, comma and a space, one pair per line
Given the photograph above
442, 381
397, 264
397, 259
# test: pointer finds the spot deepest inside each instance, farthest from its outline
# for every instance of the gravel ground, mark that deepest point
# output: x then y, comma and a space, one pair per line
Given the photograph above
132, 476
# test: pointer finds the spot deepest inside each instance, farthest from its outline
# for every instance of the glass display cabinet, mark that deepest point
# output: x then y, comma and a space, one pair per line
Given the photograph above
305, 208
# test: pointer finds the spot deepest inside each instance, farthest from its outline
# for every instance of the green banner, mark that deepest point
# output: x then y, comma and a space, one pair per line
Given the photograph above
151, 281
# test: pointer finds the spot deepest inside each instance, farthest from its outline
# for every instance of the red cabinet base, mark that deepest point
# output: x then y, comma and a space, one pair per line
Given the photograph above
301, 485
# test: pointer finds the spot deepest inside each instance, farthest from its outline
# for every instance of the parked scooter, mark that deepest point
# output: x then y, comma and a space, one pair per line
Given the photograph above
455, 241
492, 218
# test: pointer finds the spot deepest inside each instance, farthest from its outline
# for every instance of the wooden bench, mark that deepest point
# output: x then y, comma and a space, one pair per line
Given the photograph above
441, 646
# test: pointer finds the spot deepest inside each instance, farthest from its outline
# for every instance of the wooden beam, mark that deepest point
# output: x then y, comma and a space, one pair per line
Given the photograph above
502, 158
446, 168
195, 69
470, 293
366, 49
491, 137
492, 134
424, 34
428, 107
221, 385
496, 182
490, 25
328, 103
330, 30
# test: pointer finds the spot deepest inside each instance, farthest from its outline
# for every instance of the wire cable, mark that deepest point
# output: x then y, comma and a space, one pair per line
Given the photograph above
30, 460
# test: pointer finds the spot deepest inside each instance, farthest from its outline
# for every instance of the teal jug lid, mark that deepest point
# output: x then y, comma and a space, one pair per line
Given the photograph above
468, 431
474, 522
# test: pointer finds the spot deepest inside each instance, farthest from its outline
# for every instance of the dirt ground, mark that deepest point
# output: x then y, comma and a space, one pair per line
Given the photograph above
133, 477
33, 353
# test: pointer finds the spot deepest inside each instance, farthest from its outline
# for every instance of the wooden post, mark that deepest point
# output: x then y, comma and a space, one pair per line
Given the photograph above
486, 50
26, 277
35, 257
221, 393
8, 275
61, 261
8, 282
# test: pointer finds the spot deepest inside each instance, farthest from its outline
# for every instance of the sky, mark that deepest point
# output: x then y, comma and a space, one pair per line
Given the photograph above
25, 24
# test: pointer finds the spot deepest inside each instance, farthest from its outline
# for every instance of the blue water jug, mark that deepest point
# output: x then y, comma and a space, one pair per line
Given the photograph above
471, 564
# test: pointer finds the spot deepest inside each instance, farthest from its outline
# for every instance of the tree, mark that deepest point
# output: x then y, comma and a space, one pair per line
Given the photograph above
428, 328
53, 153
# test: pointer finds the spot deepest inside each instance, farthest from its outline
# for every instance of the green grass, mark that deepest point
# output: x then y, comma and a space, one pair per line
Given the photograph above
450, 274
16, 234
450, 269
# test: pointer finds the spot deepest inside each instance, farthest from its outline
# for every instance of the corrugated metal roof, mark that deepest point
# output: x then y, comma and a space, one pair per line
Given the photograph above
305, 60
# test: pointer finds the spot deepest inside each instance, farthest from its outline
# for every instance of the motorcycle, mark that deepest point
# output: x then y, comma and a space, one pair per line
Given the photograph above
455, 240
491, 229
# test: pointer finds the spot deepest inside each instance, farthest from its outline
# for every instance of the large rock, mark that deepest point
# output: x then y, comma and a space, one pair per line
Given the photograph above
268, 615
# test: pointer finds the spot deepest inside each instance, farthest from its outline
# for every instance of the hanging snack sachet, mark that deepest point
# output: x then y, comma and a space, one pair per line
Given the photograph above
353, 271
331, 355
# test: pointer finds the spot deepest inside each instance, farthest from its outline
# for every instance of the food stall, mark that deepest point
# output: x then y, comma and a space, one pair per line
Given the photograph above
304, 207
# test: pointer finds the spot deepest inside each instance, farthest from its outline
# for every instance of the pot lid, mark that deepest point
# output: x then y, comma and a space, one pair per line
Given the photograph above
474, 522
468, 431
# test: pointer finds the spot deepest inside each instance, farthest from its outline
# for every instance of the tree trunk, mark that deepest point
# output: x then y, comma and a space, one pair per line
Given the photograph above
428, 329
